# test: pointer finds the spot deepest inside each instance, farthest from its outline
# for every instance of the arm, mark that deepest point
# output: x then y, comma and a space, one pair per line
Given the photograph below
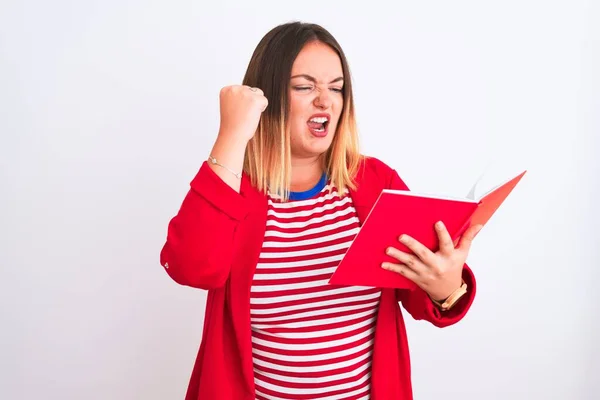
197, 251
199, 247
418, 303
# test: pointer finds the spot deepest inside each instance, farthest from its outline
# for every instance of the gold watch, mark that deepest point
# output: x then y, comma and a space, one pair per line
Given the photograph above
452, 299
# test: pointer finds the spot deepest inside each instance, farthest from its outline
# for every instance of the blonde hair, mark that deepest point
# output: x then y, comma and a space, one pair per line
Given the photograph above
268, 154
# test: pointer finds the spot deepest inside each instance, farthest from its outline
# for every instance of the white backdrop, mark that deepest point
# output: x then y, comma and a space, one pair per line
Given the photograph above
108, 108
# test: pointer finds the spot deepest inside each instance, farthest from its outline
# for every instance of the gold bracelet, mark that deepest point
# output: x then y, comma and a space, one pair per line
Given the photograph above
215, 162
452, 299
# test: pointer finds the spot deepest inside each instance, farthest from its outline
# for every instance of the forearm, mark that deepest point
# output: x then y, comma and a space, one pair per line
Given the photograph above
229, 151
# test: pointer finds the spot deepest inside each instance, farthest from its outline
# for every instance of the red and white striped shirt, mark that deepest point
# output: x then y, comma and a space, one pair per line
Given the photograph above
310, 340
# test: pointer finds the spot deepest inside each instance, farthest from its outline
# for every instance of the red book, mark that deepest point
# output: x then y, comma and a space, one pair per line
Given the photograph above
399, 212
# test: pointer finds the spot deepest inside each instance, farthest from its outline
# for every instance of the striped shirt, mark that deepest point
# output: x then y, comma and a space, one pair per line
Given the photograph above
310, 340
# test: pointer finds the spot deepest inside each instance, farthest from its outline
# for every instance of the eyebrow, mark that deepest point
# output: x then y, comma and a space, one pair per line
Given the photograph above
310, 78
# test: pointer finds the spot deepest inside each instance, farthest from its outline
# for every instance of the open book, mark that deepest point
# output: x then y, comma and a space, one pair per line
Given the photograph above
399, 212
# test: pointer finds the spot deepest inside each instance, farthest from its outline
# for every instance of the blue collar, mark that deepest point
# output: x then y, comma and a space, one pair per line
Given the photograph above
294, 196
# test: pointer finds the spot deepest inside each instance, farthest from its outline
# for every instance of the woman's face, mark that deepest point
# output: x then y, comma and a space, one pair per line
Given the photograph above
316, 100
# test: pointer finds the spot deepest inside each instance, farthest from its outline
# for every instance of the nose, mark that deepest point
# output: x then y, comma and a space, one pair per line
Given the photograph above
323, 99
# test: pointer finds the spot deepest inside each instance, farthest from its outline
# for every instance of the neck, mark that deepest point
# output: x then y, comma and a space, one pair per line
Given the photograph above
306, 173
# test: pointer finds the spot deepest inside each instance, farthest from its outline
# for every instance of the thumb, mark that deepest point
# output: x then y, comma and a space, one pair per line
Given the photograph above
467, 238
263, 104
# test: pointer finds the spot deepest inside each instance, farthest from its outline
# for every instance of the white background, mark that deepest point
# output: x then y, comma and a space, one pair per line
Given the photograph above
108, 108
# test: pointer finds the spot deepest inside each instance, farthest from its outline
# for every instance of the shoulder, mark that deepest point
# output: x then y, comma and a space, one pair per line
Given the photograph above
375, 165
373, 172
372, 168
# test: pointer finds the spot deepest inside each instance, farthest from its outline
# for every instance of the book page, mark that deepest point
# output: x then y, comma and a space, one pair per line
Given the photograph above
430, 195
494, 175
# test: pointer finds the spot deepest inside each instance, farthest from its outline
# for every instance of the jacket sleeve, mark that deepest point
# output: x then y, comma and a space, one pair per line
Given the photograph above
198, 248
418, 303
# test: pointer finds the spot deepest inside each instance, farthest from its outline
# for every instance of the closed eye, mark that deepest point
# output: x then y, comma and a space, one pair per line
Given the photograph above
306, 88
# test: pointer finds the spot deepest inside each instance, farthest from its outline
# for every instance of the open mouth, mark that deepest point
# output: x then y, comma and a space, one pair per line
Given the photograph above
318, 125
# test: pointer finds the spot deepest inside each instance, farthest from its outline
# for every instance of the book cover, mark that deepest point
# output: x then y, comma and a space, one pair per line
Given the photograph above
399, 212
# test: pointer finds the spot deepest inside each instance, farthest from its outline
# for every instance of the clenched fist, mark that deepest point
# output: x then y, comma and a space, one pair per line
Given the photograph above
241, 109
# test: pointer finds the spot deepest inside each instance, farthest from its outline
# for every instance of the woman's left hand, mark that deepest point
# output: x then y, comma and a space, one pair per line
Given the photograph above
440, 273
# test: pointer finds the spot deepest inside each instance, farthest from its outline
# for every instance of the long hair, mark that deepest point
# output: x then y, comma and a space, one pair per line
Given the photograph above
268, 154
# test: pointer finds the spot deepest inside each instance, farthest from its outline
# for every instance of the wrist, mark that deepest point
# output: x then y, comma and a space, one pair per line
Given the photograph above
230, 150
226, 159
449, 302
442, 296
233, 137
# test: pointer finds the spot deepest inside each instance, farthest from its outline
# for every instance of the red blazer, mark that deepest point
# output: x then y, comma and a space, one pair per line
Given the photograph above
214, 243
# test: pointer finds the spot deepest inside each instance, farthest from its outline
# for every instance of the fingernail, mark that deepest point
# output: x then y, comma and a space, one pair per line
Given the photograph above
401, 238
384, 266
439, 224
388, 251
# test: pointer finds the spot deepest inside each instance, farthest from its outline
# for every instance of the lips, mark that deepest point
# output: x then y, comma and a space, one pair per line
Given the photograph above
318, 124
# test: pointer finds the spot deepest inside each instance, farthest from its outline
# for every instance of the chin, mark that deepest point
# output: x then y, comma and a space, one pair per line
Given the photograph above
311, 146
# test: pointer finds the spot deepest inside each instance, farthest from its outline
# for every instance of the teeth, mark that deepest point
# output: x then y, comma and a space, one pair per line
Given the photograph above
320, 120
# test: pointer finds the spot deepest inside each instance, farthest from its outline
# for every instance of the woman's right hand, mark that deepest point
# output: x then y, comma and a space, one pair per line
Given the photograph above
241, 109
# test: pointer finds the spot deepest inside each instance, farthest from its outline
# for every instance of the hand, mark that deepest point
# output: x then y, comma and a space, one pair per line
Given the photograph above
241, 109
440, 273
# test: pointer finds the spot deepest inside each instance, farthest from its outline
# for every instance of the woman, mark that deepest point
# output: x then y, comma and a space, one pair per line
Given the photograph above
268, 217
